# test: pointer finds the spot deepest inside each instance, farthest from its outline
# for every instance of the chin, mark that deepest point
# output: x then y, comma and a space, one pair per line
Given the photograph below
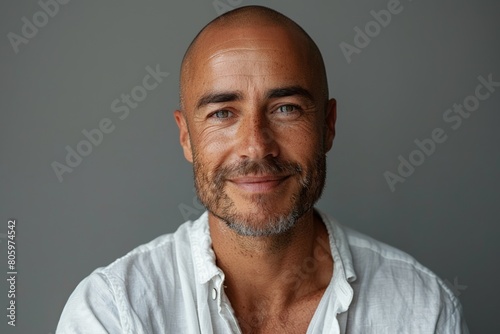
259, 221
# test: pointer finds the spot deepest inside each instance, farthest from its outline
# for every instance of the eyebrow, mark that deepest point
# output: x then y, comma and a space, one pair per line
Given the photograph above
219, 97
290, 91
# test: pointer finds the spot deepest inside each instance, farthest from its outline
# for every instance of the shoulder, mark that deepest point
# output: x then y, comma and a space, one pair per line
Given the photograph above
391, 291
145, 256
373, 260
391, 284
156, 262
364, 247
376, 262
111, 298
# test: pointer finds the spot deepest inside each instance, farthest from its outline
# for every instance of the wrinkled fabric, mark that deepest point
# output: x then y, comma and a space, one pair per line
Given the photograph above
172, 285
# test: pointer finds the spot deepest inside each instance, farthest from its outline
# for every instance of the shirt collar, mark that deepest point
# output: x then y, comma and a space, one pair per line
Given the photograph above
343, 268
204, 256
339, 246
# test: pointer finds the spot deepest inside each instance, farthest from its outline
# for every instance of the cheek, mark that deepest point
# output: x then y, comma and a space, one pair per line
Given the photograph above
212, 147
302, 141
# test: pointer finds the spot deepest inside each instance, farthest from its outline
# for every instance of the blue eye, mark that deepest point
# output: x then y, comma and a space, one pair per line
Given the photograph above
221, 114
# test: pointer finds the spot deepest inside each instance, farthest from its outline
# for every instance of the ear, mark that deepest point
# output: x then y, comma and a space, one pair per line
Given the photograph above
330, 119
184, 135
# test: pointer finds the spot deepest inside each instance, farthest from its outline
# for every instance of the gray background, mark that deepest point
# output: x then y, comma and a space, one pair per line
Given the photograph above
129, 189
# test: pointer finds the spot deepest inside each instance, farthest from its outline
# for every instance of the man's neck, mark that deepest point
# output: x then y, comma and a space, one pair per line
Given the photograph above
274, 272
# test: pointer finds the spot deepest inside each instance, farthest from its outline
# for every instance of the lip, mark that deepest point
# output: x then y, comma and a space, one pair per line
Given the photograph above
259, 183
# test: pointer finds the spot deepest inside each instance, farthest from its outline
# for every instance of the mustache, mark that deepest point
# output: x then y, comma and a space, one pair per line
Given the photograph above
268, 166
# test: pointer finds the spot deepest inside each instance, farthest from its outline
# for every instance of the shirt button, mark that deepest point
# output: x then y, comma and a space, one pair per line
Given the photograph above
214, 293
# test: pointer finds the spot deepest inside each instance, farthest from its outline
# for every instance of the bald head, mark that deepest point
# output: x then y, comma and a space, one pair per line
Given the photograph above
250, 17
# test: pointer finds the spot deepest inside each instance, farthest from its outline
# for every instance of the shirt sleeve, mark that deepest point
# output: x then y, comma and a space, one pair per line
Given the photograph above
91, 308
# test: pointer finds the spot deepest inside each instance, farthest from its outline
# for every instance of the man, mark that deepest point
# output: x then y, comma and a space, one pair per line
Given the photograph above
256, 123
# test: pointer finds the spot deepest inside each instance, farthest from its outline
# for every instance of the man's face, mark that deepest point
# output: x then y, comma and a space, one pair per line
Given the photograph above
256, 127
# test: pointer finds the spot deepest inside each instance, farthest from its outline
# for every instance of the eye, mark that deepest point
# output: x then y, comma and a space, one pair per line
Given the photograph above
288, 109
221, 114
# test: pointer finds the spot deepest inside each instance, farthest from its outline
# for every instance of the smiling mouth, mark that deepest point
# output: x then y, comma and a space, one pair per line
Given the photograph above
259, 183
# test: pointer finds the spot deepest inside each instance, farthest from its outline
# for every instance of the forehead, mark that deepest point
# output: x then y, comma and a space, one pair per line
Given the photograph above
250, 57
250, 36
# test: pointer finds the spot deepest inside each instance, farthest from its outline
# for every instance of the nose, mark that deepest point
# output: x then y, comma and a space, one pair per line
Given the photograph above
256, 138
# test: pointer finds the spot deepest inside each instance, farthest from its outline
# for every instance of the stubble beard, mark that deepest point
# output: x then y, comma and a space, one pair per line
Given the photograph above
262, 220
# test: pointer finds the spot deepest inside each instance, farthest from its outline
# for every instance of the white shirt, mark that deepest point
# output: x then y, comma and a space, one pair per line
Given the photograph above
172, 285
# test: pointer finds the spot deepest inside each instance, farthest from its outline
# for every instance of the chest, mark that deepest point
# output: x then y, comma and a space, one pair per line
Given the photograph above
295, 319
